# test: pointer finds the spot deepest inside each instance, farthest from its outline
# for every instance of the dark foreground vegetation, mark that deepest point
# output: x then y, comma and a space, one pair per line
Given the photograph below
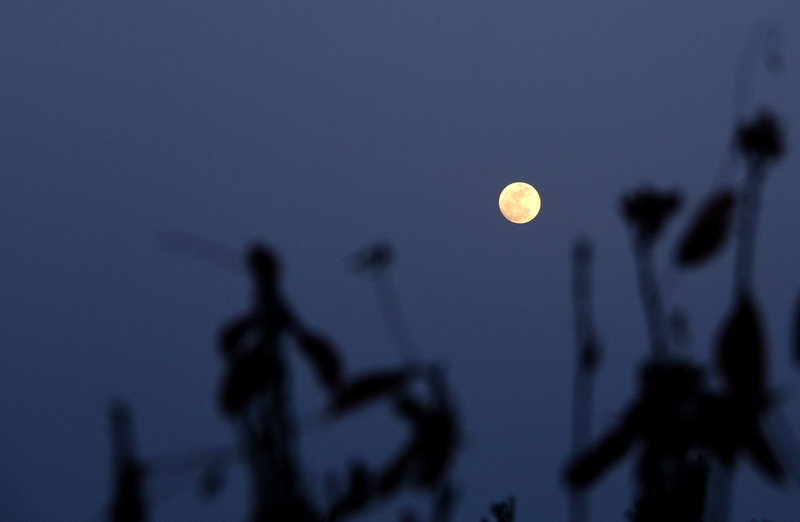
688, 427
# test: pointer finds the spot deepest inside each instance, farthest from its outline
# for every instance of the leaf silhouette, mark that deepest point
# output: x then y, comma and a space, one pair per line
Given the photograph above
740, 355
323, 358
708, 231
370, 387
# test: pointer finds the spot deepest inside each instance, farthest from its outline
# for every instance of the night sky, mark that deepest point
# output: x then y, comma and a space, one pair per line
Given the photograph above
321, 127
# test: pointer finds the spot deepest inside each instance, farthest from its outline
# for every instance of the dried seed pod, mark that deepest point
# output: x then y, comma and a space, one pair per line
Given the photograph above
647, 211
708, 231
761, 138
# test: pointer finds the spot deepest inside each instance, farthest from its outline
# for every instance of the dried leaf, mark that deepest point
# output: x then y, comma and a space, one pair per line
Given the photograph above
741, 352
708, 231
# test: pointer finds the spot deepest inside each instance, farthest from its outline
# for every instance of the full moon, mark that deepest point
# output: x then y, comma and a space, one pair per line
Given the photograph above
519, 202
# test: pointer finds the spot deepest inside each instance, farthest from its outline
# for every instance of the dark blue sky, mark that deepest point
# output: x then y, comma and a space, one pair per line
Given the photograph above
320, 127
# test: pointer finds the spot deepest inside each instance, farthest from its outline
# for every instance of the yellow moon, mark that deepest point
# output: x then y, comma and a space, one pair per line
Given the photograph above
519, 202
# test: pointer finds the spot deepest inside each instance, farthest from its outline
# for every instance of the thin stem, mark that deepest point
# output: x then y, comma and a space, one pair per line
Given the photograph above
750, 209
579, 507
765, 43
393, 316
651, 299
585, 365
128, 503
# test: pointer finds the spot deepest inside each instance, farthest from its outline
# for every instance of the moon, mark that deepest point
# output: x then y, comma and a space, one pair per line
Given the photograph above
520, 202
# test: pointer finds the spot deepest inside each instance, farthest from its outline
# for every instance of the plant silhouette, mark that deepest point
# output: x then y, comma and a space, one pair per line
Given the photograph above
254, 395
686, 430
686, 426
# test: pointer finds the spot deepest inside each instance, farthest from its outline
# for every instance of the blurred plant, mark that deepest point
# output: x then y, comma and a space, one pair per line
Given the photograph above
647, 211
684, 429
254, 396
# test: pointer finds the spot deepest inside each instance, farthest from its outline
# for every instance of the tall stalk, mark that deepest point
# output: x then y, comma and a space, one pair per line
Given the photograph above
651, 299
587, 355
749, 213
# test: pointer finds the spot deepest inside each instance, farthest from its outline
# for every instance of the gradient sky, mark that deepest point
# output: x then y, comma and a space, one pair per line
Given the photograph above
320, 127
